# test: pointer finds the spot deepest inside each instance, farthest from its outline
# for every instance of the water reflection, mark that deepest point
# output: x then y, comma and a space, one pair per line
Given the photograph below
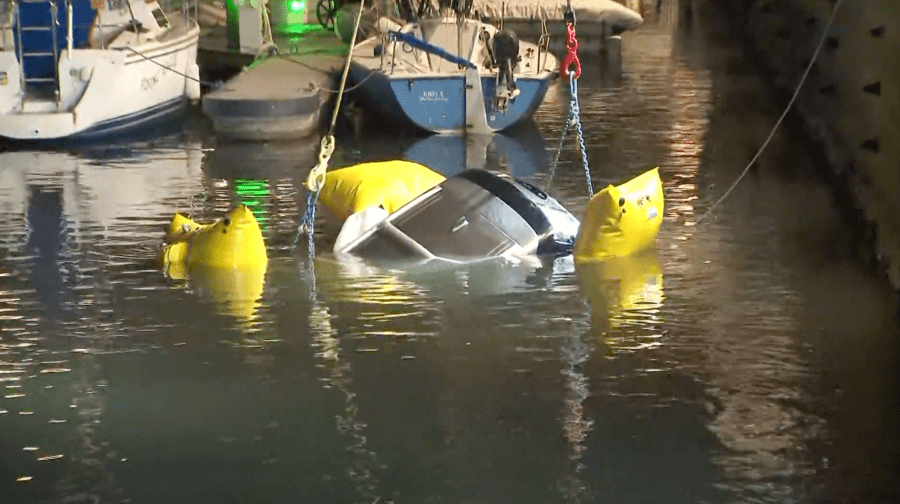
376, 298
623, 290
374, 304
236, 292
78, 234
48, 241
362, 471
577, 424
109, 192
380, 282
260, 160
519, 152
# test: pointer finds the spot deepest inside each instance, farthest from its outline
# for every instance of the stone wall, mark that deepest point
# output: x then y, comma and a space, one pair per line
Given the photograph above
849, 106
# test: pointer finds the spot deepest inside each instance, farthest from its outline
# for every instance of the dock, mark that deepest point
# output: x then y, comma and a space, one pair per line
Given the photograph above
278, 95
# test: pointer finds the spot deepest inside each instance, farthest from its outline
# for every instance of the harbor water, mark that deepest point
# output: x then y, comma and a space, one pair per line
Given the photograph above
749, 358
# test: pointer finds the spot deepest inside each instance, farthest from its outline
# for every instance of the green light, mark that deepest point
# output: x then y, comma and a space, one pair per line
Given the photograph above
297, 5
252, 192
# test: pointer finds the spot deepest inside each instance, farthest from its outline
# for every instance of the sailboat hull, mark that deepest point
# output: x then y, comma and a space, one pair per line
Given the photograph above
437, 104
441, 75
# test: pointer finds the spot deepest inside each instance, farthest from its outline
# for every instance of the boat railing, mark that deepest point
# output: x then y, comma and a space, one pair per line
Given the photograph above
543, 43
417, 43
107, 31
190, 9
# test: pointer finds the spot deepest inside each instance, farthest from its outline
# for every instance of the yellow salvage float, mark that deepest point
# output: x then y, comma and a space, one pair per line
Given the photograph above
390, 184
227, 259
233, 242
621, 220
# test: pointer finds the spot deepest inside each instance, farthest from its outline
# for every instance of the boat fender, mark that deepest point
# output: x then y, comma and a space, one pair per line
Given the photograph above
621, 220
390, 184
192, 81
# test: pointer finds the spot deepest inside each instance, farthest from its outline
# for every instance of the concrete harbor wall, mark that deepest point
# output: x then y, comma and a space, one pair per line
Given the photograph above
849, 107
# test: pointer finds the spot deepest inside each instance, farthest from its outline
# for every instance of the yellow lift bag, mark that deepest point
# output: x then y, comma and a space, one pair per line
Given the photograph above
233, 242
621, 220
390, 184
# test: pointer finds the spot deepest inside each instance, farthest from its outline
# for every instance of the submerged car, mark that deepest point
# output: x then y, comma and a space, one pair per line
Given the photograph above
472, 216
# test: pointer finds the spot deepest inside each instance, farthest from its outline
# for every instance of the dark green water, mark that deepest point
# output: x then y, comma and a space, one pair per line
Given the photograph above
748, 359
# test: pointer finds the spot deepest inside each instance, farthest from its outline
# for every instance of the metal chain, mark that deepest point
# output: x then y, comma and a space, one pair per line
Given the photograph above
214, 85
203, 198
576, 118
305, 226
562, 139
571, 68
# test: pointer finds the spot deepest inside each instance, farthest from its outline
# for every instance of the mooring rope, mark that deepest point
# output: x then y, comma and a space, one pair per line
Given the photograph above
316, 177
812, 61
151, 60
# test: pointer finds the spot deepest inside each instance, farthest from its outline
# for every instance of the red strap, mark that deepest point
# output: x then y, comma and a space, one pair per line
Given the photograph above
571, 54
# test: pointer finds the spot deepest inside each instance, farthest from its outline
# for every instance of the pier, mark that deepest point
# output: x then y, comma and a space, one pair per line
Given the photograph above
279, 96
277, 82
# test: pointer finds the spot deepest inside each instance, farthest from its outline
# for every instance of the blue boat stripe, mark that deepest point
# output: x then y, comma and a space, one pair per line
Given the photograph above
133, 119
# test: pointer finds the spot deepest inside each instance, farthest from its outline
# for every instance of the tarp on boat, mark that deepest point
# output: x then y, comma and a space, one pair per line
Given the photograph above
609, 11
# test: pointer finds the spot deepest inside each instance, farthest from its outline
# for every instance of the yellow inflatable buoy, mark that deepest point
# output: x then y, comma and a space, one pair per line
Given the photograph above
621, 220
390, 184
226, 259
233, 242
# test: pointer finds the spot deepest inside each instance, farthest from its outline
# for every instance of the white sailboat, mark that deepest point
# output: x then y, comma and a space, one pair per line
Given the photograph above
83, 68
452, 74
